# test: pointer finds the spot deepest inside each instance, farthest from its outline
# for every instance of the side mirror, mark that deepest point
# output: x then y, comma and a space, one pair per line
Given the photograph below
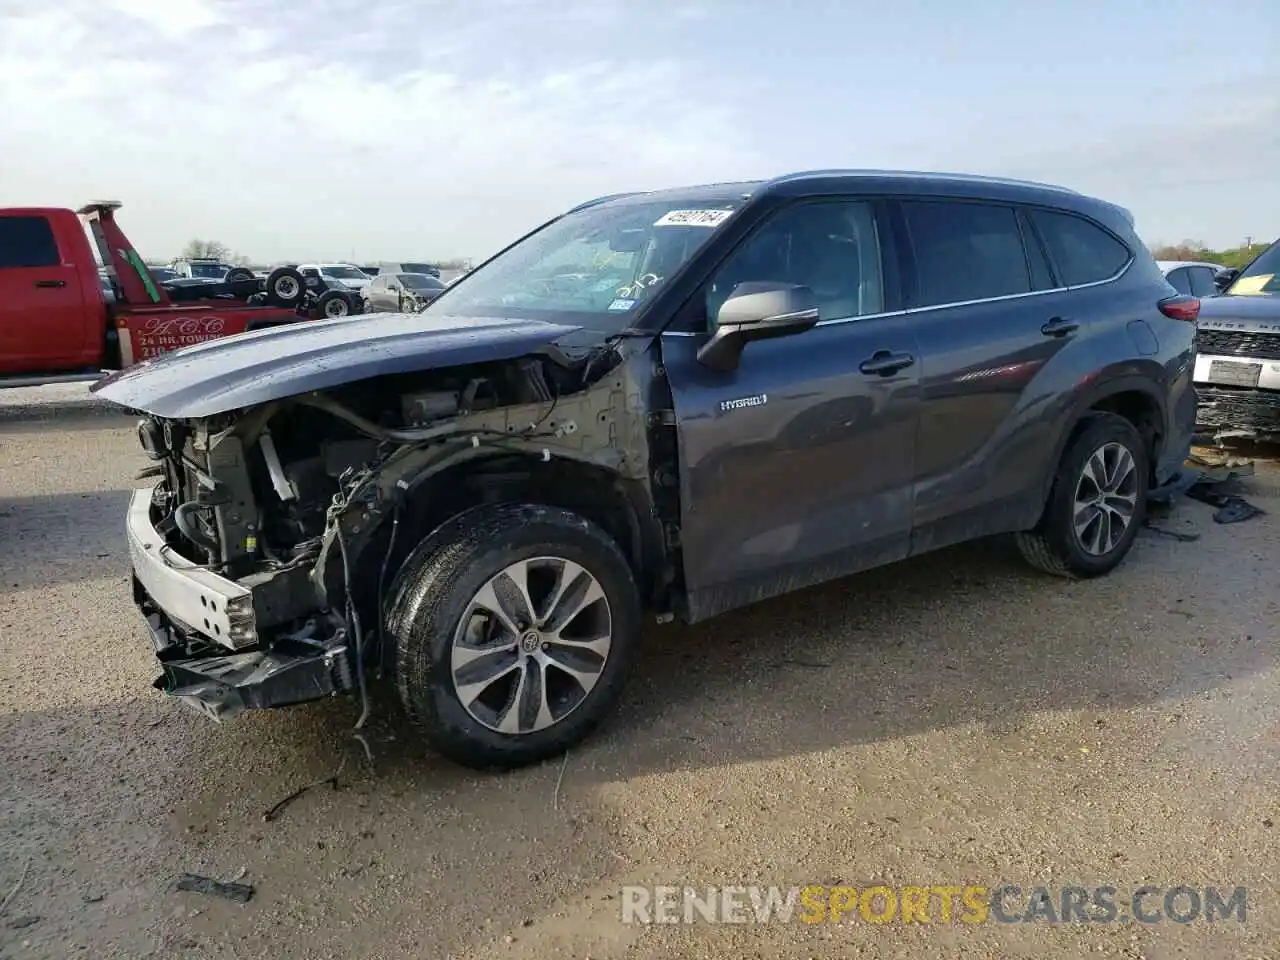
1224, 278
757, 311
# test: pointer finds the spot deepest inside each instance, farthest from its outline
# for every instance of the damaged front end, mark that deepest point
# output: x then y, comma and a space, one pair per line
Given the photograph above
262, 555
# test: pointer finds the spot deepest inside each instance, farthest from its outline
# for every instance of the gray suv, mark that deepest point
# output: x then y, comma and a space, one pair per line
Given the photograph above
682, 402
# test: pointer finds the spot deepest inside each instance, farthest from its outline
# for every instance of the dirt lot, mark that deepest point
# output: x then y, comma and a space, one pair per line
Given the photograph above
952, 719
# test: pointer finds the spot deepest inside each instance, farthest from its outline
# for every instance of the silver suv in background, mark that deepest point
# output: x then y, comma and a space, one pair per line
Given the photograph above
1192, 277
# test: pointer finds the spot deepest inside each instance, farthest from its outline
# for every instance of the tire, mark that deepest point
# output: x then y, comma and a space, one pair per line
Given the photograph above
437, 587
332, 304
241, 283
1053, 546
285, 287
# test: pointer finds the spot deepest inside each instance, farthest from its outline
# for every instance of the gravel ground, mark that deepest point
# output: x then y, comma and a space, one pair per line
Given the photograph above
953, 719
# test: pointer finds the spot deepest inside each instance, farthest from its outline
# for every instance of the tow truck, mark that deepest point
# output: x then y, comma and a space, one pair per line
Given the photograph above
62, 321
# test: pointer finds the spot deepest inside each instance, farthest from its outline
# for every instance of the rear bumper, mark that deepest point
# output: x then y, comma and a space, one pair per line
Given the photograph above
202, 628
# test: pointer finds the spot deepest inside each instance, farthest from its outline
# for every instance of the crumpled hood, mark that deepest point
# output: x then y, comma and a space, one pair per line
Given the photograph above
252, 368
1249, 313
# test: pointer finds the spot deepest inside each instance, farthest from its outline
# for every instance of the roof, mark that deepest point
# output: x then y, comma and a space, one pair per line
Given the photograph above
1167, 265
812, 182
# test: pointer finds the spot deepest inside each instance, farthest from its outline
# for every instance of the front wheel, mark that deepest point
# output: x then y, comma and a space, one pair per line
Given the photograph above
1097, 503
332, 304
512, 631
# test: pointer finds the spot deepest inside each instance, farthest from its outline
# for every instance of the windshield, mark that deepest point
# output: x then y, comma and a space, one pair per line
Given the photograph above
1260, 277
418, 267
214, 271
343, 273
420, 281
598, 265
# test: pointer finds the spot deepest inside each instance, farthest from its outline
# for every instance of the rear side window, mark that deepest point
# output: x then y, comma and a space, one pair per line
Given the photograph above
1082, 252
1202, 284
27, 242
965, 251
1180, 280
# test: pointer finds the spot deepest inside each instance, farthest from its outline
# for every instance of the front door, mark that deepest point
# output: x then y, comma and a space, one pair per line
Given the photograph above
797, 466
44, 321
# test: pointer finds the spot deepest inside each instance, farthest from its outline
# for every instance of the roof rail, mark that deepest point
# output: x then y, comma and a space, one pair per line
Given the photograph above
963, 177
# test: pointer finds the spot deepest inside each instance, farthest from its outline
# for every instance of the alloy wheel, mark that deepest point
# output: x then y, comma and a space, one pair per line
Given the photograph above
531, 645
1106, 498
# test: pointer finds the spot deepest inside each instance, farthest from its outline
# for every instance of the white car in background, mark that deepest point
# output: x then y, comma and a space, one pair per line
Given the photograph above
338, 274
1192, 277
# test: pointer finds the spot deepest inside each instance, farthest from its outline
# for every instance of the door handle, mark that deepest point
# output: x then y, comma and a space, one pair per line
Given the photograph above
884, 363
51, 283
1059, 327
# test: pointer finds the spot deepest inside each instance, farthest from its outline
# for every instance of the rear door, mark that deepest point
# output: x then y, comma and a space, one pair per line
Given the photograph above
376, 294
990, 316
797, 466
44, 320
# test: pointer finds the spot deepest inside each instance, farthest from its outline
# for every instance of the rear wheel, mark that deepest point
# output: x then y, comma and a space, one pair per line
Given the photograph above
1097, 503
513, 629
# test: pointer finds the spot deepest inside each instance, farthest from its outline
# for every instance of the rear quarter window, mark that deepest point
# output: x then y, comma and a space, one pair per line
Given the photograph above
1082, 252
1202, 284
1180, 280
27, 242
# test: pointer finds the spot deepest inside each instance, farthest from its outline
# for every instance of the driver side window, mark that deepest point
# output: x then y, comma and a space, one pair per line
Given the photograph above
832, 247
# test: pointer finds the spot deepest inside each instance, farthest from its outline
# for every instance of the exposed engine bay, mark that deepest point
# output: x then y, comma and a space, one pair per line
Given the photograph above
309, 503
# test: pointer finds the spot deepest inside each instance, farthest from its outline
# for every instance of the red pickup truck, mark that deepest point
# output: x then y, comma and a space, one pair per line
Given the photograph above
64, 318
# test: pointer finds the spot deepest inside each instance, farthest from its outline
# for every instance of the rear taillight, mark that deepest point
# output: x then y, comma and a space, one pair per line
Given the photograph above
1181, 308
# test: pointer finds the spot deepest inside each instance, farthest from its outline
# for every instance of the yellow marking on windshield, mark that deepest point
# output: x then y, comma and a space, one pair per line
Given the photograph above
1252, 285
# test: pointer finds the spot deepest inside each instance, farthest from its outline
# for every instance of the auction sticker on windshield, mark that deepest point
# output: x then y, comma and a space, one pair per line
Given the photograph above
693, 218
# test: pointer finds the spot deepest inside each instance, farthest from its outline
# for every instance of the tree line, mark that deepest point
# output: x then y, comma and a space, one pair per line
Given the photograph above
215, 250
1237, 257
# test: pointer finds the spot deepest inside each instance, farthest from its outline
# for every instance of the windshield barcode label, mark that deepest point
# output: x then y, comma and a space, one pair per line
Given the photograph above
693, 218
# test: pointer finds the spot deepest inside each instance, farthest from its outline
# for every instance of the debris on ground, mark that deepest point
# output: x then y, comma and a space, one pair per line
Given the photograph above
239, 892
1215, 485
21, 923
331, 779
1243, 467
1211, 480
13, 892
1178, 535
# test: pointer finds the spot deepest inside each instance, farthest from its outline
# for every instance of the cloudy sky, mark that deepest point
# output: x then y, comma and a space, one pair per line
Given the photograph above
379, 129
